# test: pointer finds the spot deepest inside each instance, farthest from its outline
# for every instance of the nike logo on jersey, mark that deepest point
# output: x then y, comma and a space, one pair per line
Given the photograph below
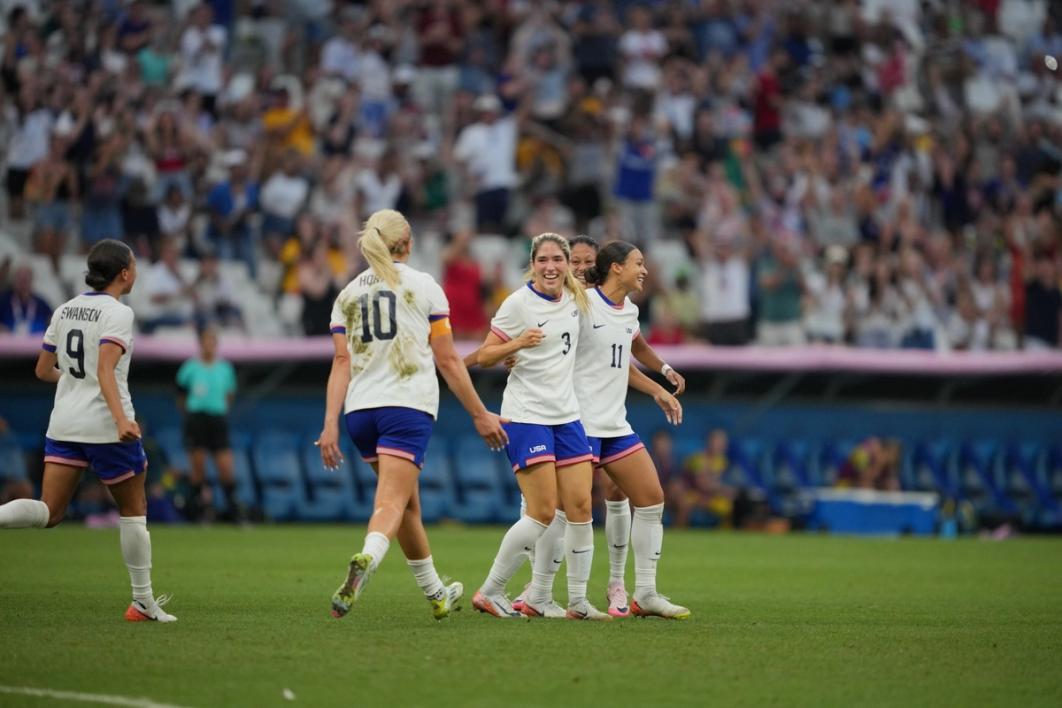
600, 326
542, 323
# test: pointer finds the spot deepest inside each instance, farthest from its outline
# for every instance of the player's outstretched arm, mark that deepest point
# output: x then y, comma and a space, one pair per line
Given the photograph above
495, 350
338, 380
110, 354
644, 353
472, 359
45, 369
455, 373
668, 403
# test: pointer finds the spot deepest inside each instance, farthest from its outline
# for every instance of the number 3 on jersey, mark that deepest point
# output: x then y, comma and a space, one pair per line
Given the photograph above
377, 320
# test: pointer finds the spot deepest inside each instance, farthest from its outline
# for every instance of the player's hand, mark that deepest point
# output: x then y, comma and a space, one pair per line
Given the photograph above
128, 430
530, 338
489, 427
328, 443
670, 405
677, 380
510, 362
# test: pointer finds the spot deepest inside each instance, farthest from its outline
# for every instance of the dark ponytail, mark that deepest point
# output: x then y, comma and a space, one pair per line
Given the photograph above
105, 261
614, 252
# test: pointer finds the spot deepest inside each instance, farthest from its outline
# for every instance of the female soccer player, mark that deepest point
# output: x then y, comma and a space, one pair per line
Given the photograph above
547, 447
618, 514
387, 325
86, 352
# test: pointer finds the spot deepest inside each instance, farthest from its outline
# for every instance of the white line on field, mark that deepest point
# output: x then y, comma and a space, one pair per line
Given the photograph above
86, 697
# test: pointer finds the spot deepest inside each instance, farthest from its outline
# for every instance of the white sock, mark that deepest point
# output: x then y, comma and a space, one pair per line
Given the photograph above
579, 547
647, 537
24, 514
519, 540
136, 551
376, 545
523, 513
549, 554
618, 535
427, 578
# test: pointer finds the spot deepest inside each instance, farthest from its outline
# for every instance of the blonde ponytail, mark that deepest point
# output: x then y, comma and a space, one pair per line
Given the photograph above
383, 238
573, 286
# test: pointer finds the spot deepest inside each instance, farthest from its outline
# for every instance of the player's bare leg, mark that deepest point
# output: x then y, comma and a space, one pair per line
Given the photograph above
413, 539
57, 489
200, 506
618, 536
636, 475
226, 465
395, 484
136, 550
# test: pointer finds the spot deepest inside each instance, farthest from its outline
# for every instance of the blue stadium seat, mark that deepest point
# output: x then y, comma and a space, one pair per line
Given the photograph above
1016, 479
787, 476
332, 492
479, 492
12, 460
933, 467
831, 457
436, 483
276, 461
246, 494
980, 462
363, 486
752, 455
1049, 484
171, 440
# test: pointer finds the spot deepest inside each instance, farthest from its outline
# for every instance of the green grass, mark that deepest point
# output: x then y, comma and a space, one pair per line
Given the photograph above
796, 620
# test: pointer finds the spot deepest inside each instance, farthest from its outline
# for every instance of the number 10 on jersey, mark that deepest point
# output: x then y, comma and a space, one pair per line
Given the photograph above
377, 331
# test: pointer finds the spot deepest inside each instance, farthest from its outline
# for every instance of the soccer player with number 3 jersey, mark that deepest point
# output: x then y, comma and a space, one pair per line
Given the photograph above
86, 353
390, 327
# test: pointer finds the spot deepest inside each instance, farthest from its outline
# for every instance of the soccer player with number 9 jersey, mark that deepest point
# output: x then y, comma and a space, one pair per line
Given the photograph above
86, 352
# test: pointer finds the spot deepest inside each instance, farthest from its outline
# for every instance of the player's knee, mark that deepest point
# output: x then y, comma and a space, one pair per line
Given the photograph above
615, 494
542, 511
578, 510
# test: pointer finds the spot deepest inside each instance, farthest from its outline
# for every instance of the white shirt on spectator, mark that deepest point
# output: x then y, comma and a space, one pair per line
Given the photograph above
374, 77
284, 195
201, 66
489, 152
163, 281
29, 140
174, 221
725, 289
378, 194
340, 57
642, 52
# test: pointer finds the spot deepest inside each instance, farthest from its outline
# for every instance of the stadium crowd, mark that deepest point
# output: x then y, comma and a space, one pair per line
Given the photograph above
878, 173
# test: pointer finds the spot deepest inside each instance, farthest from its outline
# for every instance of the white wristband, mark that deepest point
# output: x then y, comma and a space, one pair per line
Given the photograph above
665, 368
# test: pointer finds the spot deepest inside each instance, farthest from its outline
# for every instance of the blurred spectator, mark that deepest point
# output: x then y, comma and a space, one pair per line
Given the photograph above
232, 205
203, 46
701, 486
487, 151
781, 289
319, 283
216, 302
638, 156
826, 313
1043, 306
21, 310
440, 35
379, 188
642, 47
175, 214
29, 124
282, 196
462, 282
680, 303
50, 188
170, 298
101, 215
725, 293
873, 464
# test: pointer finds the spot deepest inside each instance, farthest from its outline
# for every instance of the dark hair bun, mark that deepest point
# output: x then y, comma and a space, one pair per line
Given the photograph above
96, 280
592, 275
105, 261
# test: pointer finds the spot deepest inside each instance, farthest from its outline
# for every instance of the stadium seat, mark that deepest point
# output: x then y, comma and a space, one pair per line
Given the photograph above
752, 456
933, 467
332, 492
12, 460
831, 457
276, 461
980, 462
479, 495
363, 487
171, 440
246, 494
786, 475
436, 483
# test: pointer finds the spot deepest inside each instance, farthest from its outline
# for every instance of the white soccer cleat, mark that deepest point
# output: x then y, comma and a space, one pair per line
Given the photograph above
656, 605
442, 606
583, 610
496, 605
141, 612
547, 610
617, 600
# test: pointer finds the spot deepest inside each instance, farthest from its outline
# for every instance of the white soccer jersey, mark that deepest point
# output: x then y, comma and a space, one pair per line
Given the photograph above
391, 362
539, 388
602, 370
75, 334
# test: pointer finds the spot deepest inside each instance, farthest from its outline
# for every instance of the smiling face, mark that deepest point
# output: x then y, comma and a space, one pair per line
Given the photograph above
583, 256
549, 266
631, 274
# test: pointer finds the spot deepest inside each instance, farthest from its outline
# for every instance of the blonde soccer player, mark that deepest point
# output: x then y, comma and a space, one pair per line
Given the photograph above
601, 392
548, 449
390, 327
86, 353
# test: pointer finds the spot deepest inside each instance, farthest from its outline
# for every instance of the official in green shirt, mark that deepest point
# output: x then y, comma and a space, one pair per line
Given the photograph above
207, 386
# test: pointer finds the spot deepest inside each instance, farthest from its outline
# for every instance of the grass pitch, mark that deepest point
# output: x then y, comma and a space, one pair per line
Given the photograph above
796, 620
